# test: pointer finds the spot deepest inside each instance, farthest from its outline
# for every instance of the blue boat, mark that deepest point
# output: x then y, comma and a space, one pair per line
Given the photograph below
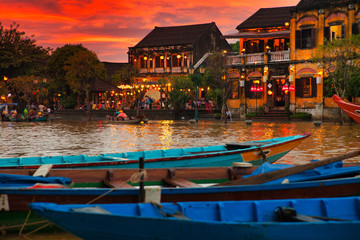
15, 180
295, 219
255, 152
14, 201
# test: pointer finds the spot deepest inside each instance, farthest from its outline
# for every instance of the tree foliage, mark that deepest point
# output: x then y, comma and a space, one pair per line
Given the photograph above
82, 68
56, 66
216, 76
235, 47
124, 75
19, 54
340, 61
178, 96
26, 89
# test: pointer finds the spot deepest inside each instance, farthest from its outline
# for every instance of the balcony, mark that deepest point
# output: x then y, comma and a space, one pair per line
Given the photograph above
163, 70
256, 58
280, 56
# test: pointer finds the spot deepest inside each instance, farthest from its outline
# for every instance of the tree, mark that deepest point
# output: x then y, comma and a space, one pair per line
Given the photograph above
82, 68
124, 75
56, 64
235, 47
25, 89
216, 76
178, 96
340, 61
19, 55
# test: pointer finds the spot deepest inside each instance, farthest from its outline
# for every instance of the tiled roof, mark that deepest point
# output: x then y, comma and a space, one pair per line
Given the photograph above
267, 17
305, 5
177, 35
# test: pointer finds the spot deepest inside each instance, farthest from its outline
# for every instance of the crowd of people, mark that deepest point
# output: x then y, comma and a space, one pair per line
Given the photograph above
208, 104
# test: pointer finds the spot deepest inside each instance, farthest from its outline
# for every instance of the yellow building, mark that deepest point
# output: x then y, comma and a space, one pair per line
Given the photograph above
273, 64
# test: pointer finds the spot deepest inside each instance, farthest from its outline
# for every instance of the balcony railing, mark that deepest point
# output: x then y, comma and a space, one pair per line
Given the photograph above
279, 56
164, 70
254, 58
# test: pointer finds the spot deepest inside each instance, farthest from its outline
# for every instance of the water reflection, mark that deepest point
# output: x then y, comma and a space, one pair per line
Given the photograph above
75, 137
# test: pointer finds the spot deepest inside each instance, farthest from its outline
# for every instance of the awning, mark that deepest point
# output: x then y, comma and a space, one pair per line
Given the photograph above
285, 33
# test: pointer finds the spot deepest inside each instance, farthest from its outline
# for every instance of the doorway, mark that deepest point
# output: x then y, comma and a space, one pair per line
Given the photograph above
275, 95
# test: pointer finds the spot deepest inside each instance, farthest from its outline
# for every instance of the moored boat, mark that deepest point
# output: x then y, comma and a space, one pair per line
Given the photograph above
131, 120
351, 109
14, 200
319, 218
254, 152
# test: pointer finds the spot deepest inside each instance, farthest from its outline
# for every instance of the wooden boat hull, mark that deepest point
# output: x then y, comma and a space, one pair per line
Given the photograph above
208, 220
40, 119
351, 109
14, 201
211, 156
18, 198
154, 176
116, 120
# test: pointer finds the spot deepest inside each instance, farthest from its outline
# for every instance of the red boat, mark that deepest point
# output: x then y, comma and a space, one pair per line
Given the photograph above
351, 109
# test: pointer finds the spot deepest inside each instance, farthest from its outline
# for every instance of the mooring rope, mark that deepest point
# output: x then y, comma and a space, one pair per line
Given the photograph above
135, 178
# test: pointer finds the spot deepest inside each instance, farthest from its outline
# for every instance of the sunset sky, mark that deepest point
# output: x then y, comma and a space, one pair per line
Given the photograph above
109, 27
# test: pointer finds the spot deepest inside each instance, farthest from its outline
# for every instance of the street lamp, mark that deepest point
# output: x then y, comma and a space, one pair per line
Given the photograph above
192, 72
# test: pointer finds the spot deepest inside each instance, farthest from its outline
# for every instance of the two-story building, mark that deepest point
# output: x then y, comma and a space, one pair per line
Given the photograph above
172, 50
260, 69
274, 64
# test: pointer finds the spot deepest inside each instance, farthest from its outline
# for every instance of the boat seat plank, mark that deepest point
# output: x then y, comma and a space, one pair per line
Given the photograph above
178, 182
117, 184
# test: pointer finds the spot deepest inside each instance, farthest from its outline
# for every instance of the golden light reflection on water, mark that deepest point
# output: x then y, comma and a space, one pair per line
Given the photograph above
73, 137
62, 138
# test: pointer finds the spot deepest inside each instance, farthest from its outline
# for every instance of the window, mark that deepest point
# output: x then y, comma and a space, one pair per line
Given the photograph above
335, 31
159, 61
254, 46
185, 60
278, 44
143, 61
305, 87
234, 88
305, 38
176, 60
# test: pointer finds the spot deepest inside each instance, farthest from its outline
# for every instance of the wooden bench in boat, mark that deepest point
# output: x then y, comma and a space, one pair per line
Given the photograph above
178, 182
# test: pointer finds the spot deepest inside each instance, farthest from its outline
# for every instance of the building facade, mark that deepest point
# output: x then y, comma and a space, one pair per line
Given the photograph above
172, 50
274, 65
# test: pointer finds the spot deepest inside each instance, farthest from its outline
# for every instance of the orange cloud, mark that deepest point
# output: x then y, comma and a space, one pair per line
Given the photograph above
110, 27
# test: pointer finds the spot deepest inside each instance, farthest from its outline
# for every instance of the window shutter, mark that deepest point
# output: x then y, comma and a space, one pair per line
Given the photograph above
343, 31
327, 33
355, 29
298, 39
313, 37
298, 90
313, 87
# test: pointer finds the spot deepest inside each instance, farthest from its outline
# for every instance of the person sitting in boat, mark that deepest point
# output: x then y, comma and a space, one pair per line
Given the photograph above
122, 115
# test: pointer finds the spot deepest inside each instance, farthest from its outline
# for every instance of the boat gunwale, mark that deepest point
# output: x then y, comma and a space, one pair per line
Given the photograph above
271, 144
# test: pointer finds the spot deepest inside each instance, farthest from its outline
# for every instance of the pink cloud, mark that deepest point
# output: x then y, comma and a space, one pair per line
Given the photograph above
110, 27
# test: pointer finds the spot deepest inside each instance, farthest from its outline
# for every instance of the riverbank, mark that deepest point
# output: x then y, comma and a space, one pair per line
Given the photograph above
165, 114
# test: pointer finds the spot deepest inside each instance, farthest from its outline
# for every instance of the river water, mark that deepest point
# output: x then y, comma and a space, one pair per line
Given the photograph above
21, 139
